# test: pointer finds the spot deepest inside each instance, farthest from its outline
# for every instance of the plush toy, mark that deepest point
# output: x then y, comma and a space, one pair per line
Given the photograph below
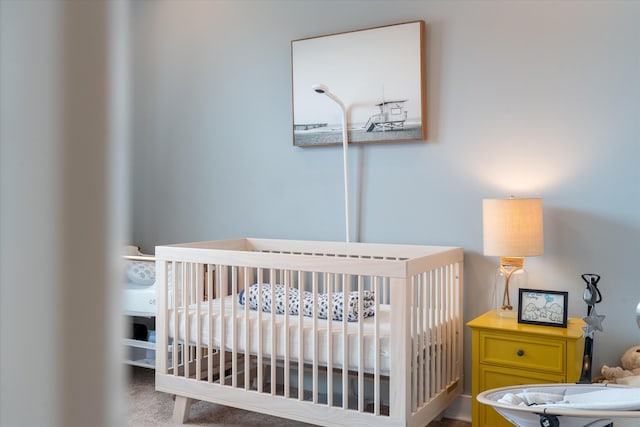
631, 360
629, 373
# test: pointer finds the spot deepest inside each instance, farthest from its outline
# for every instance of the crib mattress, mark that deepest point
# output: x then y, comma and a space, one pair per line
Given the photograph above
236, 332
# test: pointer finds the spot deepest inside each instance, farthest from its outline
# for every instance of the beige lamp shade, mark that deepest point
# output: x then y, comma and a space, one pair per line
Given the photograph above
513, 227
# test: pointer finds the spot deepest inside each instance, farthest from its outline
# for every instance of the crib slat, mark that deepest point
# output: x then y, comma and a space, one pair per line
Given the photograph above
425, 343
329, 286
260, 360
360, 344
301, 287
447, 339
247, 331
198, 290
450, 331
184, 316
346, 288
234, 326
191, 284
186, 279
445, 329
377, 284
314, 337
452, 316
459, 350
436, 332
274, 335
400, 382
439, 328
415, 333
172, 303
287, 350
221, 293
459, 280
433, 334
421, 344
424, 337
210, 295
427, 337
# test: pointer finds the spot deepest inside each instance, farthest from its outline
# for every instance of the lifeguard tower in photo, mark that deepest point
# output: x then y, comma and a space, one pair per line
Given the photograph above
391, 117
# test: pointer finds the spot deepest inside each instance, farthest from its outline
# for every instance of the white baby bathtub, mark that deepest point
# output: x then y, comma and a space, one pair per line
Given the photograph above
565, 405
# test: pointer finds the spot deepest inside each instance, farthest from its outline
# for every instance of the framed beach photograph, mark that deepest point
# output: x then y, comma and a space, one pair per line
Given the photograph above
540, 307
378, 74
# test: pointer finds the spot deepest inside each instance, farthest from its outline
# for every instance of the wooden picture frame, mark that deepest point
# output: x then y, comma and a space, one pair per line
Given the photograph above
542, 307
379, 75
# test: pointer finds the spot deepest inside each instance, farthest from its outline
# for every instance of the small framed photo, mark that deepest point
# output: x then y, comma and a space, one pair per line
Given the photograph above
541, 307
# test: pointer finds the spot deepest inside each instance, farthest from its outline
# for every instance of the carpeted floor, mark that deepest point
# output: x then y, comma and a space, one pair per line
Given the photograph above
149, 408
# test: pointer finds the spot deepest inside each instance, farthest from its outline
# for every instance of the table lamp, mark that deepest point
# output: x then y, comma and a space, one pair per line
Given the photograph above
512, 230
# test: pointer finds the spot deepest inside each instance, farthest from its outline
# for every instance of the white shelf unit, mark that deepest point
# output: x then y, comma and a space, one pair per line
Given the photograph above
140, 352
139, 308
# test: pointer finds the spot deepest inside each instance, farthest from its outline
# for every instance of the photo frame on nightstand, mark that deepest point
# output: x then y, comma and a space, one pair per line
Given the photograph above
543, 307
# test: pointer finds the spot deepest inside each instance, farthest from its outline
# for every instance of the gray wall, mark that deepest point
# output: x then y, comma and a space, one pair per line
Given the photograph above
524, 98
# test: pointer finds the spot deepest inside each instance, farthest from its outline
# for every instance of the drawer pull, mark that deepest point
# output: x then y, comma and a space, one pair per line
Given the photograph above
520, 353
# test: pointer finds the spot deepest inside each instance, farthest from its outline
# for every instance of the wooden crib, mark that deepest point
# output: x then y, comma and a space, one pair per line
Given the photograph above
339, 333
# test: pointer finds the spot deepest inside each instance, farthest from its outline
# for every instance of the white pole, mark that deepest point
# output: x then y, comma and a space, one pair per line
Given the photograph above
321, 88
345, 154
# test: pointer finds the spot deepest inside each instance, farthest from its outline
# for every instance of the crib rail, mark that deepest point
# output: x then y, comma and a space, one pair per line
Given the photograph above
273, 358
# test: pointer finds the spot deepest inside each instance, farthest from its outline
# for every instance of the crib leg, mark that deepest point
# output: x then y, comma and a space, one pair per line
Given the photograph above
181, 409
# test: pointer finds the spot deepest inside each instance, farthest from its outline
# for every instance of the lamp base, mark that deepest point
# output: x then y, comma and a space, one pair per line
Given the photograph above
507, 313
510, 277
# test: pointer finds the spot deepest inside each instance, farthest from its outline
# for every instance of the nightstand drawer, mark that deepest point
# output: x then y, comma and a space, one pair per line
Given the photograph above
523, 352
494, 377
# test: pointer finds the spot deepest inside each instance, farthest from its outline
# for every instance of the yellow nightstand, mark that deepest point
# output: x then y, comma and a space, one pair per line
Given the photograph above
506, 353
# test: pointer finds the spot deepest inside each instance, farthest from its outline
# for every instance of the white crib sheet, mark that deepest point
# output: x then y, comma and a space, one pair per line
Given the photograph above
368, 342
